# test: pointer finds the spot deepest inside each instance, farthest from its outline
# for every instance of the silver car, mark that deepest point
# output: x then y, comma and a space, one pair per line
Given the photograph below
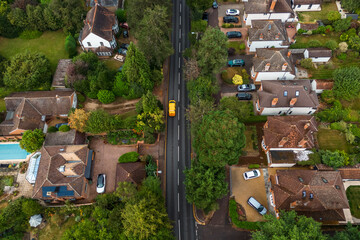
258, 207
101, 181
246, 88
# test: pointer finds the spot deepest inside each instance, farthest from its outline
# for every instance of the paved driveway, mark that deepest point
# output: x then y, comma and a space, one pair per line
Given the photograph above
223, 7
106, 159
242, 190
248, 61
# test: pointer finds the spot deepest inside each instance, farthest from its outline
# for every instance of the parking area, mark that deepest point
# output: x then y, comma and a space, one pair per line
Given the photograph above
243, 189
223, 7
244, 33
248, 61
106, 159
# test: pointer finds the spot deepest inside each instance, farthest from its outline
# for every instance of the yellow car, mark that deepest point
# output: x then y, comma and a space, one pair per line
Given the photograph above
172, 108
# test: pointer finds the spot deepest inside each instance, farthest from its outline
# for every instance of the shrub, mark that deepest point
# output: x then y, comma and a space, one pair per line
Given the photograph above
81, 97
129, 157
306, 63
342, 56
253, 166
344, 37
70, 46
242, 46
309, 32
314, 43
52, 129
331, 44
301, 31
341, 126
328, 96
342, 24
30, 34
64, 128
343, 47
231, 51
335, 159
121, 15
106, 96
334, 114
333, 16
329, 29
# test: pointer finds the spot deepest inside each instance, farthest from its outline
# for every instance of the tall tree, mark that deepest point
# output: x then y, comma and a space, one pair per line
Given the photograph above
197, 112
347, 82
289, 226
351, 5
27, 71
153, 35
212, 54
200, 5
220, 139
241, 110
202, 88
32, 140
351, 233
204, 185
78, 119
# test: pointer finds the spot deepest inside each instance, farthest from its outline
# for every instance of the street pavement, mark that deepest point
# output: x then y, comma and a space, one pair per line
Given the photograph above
178, 140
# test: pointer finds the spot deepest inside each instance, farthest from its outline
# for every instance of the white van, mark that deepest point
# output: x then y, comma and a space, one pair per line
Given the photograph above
258, 207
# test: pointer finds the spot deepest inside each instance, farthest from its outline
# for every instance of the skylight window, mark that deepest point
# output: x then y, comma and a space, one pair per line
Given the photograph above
324, 180
300, 179
285, 93
297, 93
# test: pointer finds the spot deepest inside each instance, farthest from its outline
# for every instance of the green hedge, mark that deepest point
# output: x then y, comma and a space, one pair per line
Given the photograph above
64, 128
52, 129
129, 157
255, 119
253, 166
234, 216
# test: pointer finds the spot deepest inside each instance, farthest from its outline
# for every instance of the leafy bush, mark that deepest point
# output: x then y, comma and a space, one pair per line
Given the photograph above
335, 159
343, 47
198, 26
231, 52
121, 15
64, 128
242, 46
314, 43
334, 114
81, 97
32, 140
328, 96
342, 56
333, 16
30, 34
129, 157
309, 32
253, 166
256, 119
70, 46
52, 129
301, 31
307, 63
344, 37
342, 25
106, 96
341, 126
150, 167
331, 44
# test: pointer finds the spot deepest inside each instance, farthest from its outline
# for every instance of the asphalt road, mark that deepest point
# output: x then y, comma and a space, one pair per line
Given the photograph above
178, 141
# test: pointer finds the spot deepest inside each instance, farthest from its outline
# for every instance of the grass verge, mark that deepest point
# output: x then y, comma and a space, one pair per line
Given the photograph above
353, 195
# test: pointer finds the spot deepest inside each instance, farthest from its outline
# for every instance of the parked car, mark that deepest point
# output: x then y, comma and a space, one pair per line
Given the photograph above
251, 174
60, 124
236, 63
205, 16
246, 88
230, 19
244, 96
234, 34
258, 207
125, 45
232, 12
101, 181
122, 51
215, 5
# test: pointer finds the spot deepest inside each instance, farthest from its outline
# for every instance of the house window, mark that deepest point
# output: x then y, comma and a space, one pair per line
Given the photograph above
101, 43
300, 179
290, 112
337, 187
285, 93
297, 93
310, 6
298, 6
279, 112
48, 193
310, 112
265, 13
89, 44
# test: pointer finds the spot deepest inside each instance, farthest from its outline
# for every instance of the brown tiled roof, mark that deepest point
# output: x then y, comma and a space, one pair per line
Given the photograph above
269, 30
291, 127
71, 137
275, 57
301, 2
29, 107
130, 172
324, 84
52, 157
263, 6
309, 26
350, 173
99, 21
319, 52
275, 89
329, 197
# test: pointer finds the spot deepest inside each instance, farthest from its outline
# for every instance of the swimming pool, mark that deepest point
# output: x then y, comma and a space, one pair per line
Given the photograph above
12, 151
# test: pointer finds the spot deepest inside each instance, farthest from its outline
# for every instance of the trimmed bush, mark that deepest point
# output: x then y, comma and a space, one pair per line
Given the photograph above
52, 129
331, 44
314, 43
306, 63
129, 157
70, 46
253, 166
301, 31
64, 128
106, 96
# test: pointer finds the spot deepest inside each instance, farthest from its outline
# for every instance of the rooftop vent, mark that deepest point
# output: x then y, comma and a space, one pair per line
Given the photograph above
337, 187
267, 67
324, 180
300, 179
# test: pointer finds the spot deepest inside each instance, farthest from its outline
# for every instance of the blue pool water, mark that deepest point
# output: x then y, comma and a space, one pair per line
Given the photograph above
12, 151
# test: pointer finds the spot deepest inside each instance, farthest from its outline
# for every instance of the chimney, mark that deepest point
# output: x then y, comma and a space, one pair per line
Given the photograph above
306, 125
289, 53
277, 36
283, 141
88, 24
274, 102
272, 6
261, 36
284, 66
266, 125
267, 67
302, 143
293, 101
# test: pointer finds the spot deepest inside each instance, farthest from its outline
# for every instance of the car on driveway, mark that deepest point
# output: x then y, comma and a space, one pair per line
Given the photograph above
234, 34
236, 63
257, 206
251, 174
122, 51
215, 5
246, 87
230, 19
232, 12
244, 96
101, 181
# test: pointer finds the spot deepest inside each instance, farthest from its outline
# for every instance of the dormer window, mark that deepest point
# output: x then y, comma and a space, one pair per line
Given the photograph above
297, 93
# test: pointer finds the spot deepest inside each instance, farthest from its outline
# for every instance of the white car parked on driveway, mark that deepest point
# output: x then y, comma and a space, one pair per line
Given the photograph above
251, 174
232, 12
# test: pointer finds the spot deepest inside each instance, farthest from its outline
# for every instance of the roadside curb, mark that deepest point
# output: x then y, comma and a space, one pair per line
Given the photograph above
196, 217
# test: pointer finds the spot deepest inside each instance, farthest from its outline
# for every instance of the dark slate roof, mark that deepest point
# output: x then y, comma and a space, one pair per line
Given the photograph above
263, 6
71, 137
329, 198
275, 89
319, 52
130, 172
291, 127
306, 2
269, 30
276, 58
99, 21
52, 157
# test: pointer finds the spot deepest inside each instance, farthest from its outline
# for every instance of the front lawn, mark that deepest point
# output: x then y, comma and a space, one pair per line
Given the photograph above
55, 229
318, 15
51, 44
353, 195
332, 140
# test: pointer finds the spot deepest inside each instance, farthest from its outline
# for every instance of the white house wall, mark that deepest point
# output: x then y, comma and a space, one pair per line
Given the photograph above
284, 165
265, 44
274, 76
270, 111
320, 59
305, 7
95, 40
265, 16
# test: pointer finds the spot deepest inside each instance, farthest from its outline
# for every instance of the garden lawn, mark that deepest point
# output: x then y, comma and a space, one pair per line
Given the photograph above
304, 38
353, 195
332, 140
54, 232
237, 46
51, 44
113, 64
318, 15
250, 134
